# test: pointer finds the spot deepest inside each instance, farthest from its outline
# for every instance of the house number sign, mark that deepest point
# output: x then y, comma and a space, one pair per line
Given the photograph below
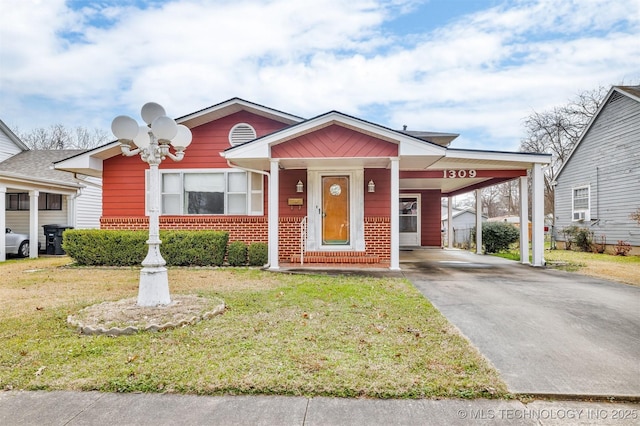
460, 174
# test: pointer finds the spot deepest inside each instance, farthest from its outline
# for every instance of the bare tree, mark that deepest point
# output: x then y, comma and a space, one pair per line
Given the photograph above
58, 136
557, 131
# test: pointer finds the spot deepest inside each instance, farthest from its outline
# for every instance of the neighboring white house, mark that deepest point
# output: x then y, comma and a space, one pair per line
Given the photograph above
598, 186
463, 220
33, 193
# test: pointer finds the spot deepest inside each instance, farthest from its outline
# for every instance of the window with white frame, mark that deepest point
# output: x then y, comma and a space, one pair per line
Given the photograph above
219, 192
580, 203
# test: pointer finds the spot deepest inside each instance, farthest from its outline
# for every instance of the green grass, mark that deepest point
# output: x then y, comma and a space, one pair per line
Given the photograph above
282, 334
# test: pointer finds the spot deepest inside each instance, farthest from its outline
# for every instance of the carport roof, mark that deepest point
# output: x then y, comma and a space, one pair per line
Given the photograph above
37, 166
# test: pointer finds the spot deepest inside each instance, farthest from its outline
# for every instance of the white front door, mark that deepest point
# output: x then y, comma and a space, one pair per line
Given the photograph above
409, 220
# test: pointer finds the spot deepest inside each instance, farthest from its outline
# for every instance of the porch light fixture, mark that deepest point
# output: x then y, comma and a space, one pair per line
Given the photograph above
371, 186
152, 141
299, 186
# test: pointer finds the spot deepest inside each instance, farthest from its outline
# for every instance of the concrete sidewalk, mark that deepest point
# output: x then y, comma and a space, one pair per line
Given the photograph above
93, 408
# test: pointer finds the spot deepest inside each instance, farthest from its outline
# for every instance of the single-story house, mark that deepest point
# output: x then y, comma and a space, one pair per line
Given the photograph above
330, 189
598, 186
33, 193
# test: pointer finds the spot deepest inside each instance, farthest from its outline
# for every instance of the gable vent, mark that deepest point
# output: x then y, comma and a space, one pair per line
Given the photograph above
615, 97
241, 133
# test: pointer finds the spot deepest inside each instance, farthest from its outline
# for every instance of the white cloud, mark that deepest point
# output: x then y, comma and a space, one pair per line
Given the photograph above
480, 75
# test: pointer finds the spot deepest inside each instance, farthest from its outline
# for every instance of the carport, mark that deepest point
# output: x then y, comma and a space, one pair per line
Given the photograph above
32, 195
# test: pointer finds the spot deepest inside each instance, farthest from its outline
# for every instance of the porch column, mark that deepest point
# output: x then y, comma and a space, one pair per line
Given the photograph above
524, 220
395, 215
449, 223
71, 209
33, 224
478, 221
537, 216
3, 223
273, 215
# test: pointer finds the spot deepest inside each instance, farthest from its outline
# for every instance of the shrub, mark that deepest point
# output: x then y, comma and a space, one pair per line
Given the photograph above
91, 247
622, 248
194, 248
581, 237
258, 254
497, 236
237, 254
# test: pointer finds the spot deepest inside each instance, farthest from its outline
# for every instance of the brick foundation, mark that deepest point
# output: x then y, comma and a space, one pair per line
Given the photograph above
252, 229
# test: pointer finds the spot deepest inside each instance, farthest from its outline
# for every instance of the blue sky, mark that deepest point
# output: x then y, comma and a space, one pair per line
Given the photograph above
473, 67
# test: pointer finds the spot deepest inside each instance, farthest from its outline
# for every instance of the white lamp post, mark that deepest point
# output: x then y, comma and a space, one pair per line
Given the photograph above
152, 143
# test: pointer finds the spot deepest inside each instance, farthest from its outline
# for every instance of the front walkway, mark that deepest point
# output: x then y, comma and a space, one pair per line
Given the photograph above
546, 331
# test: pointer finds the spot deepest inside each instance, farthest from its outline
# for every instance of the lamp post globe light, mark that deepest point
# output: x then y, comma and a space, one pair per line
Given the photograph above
152, 142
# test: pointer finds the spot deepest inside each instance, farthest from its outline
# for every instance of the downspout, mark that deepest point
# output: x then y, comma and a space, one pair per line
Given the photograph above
262, 172
597, 194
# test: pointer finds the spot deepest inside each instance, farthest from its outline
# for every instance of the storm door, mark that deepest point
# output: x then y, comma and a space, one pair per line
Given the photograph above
335, 211
409, 220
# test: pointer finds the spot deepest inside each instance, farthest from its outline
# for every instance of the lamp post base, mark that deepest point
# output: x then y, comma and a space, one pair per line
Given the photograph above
154, 286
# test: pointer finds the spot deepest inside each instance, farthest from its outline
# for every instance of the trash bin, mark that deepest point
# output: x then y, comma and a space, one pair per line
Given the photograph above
53, 238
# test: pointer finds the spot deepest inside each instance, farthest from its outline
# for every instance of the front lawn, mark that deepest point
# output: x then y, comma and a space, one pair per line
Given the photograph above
282, 334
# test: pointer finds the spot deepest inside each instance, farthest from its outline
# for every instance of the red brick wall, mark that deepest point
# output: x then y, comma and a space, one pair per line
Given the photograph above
377, 236
249, 229
289, 237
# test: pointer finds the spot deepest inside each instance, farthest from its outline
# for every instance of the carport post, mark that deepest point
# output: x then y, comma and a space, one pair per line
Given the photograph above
537, 216
449, 223
524, 220
33, 224
3, 223
478, 221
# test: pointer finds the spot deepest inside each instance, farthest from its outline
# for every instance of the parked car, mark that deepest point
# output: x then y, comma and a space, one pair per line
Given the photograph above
16, 243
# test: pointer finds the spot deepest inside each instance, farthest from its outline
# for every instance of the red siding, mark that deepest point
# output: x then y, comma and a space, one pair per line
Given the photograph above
334, 141
431, 221
288, 181
123, 177
123, 186
377, 203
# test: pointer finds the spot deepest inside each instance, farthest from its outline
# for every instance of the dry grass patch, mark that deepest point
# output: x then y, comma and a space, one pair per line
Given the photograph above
618, 268
281, 334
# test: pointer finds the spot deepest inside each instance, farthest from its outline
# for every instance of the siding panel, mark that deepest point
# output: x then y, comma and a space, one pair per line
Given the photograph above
608, 160
124, 177
7, 147
334, 142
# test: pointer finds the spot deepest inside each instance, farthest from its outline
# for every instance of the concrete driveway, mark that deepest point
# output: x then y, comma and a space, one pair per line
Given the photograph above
547, 332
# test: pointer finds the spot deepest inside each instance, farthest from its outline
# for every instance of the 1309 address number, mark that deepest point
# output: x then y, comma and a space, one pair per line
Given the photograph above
453, 174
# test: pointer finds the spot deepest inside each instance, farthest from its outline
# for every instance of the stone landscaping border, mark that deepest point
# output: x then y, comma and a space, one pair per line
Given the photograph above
131, 319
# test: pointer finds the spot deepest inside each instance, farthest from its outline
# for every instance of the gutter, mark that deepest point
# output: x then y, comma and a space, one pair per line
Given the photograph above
86, 182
